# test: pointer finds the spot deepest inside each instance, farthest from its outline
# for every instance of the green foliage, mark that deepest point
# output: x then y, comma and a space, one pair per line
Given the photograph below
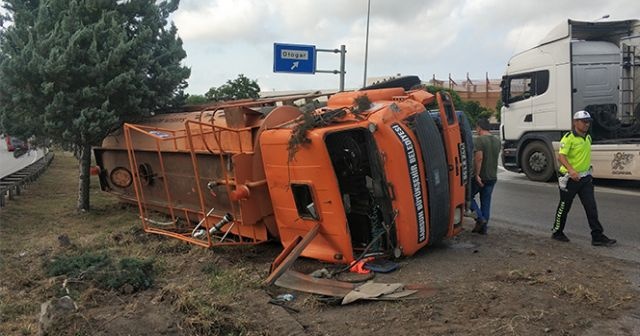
75, 70
239, 88
498, 109
472, 109
196, 100
475, 111
134, 272
457, 101
99, 268
73, 266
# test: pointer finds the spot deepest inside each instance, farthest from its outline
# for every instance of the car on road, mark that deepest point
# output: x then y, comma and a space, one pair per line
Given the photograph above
17, 146
14, 143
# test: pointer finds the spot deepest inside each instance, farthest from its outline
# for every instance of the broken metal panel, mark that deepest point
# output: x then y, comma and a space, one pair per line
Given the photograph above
370, 290
350, 292
308, 284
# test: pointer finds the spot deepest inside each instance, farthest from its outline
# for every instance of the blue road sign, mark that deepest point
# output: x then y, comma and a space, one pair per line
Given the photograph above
294, 58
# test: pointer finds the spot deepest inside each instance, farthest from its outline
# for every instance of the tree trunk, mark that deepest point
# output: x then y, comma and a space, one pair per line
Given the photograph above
85, 181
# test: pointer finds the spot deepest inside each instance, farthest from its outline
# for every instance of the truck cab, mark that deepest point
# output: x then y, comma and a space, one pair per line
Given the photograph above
592, 66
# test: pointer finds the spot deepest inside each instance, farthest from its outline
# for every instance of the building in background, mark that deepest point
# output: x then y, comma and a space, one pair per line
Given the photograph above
485, 91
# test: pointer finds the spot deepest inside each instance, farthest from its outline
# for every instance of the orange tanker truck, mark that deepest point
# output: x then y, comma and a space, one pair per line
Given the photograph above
370, 172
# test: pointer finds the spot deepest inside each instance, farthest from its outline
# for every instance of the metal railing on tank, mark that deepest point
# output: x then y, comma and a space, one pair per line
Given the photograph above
209, 222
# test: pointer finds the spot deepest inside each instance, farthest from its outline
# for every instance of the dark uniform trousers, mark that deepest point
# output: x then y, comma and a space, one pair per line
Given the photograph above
584, 189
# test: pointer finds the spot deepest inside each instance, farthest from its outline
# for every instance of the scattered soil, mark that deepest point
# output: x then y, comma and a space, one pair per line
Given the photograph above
504, 283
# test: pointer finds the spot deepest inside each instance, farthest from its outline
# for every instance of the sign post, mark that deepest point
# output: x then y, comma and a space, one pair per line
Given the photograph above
301, 58
294, 58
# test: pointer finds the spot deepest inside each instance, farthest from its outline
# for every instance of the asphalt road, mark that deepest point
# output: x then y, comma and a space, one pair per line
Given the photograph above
10, 165
530, 206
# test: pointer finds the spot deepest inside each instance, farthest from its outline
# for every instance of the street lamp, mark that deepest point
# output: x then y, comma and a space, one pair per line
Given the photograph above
366, 44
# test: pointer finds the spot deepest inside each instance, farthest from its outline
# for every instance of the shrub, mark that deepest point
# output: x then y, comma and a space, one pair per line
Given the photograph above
100, 269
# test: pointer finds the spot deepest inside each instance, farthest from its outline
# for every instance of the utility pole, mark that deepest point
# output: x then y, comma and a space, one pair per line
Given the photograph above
366, 44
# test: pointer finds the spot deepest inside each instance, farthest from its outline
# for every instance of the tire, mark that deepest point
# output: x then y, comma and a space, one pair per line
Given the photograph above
437, 176
537, 162
405, 82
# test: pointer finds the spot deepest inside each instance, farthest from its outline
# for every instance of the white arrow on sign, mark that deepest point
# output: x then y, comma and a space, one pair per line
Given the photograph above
295, 65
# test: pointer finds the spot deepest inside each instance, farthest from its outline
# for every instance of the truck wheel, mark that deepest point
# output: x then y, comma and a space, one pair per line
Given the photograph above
405, 82
434, 158
537, 162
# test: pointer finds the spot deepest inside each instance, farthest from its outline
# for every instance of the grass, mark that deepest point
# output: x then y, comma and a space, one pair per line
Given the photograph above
108, 258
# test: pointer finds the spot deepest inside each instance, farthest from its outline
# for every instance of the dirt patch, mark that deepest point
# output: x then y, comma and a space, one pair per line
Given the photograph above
505, 283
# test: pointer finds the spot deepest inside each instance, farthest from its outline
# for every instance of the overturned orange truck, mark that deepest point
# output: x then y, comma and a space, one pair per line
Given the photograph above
372, 172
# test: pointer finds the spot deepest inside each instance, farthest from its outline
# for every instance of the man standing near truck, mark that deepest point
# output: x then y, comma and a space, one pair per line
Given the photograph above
486, 151
575, 178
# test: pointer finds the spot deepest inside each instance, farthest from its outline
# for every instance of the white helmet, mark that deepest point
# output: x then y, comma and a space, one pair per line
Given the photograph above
581, 115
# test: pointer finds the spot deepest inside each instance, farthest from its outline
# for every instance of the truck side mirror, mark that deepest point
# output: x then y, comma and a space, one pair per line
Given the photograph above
504, 94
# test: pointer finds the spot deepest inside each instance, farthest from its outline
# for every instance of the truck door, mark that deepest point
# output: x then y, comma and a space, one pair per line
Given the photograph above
454, 148
516, 91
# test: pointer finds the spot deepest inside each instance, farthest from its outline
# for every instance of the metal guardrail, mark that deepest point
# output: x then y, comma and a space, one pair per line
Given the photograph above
12, 185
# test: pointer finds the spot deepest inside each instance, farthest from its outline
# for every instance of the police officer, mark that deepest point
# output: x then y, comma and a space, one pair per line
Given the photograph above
575, 178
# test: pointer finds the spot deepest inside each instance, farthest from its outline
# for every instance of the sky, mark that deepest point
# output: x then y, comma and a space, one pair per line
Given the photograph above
225, 38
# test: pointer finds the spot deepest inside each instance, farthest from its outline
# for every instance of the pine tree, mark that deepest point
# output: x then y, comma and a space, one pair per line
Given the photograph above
75, 70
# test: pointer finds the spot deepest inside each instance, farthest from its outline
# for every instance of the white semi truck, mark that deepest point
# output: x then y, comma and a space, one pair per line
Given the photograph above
592, 66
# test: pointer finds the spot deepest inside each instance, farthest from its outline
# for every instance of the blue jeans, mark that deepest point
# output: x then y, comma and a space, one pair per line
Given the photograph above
484, 211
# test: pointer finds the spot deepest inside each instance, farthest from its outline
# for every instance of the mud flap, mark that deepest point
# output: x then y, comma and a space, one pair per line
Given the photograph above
437, 176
